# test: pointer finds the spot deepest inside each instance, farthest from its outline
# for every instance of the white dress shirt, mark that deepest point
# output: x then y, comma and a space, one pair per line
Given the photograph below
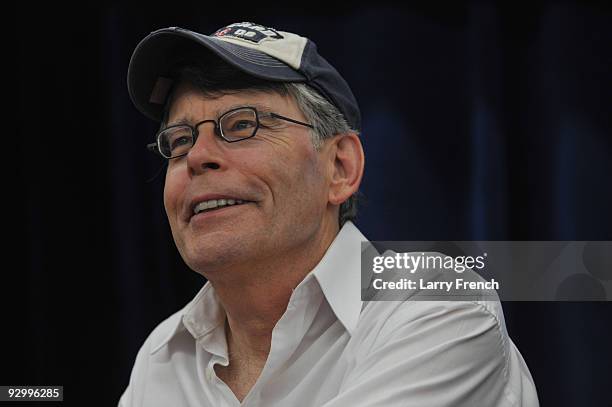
331, 349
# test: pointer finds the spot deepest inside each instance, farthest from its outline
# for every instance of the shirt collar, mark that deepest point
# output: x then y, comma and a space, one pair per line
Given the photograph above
199, 317
338, 274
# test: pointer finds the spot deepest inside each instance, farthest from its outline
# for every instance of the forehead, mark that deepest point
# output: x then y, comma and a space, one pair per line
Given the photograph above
188, 103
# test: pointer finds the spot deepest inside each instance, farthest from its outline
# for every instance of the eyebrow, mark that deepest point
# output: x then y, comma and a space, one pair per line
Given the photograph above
261, 108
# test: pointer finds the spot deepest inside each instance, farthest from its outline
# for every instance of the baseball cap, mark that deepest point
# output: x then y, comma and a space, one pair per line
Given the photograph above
259, 51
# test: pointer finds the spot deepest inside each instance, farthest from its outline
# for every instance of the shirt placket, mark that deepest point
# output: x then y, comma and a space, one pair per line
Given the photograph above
286, 336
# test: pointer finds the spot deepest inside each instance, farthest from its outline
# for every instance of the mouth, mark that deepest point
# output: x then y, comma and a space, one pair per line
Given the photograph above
213, 205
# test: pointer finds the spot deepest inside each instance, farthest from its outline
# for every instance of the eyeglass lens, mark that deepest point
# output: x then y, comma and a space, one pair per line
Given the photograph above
235, 125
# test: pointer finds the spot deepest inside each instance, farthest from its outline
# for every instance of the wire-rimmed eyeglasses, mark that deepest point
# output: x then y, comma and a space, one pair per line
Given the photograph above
234, 125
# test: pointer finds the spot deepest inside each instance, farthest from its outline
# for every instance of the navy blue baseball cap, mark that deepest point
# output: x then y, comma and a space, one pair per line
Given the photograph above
259, 51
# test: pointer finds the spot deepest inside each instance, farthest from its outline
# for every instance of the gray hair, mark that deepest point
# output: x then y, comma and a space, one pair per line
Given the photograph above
327, 122
326, 119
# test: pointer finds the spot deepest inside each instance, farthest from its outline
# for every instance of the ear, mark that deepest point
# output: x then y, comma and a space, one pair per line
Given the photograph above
347, 167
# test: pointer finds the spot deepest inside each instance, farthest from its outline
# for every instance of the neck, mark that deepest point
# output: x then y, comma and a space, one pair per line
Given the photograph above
258, 298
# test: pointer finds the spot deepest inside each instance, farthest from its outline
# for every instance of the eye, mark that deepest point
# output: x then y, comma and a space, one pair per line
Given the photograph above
175, 141
239, 124
243, 124
180, 141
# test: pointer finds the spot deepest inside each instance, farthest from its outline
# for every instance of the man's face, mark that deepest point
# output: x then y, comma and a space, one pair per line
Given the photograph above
278, 173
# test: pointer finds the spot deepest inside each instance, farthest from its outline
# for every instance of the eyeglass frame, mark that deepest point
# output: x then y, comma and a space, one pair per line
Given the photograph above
154, 147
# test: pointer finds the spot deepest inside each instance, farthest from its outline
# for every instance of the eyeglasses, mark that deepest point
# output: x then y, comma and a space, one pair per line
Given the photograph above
234, 125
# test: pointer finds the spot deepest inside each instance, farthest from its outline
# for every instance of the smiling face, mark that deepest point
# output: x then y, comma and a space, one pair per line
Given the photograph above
280, 177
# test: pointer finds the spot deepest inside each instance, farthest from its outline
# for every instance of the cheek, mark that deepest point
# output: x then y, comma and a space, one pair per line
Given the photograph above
174, 187
303, 178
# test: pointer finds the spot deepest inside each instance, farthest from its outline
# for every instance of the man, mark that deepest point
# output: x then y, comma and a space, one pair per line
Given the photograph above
264, 160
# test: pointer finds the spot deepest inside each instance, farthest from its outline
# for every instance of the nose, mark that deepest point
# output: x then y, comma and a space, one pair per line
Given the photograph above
207, 152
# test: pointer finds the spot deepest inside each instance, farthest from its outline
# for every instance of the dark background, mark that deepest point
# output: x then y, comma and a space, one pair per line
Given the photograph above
481, 122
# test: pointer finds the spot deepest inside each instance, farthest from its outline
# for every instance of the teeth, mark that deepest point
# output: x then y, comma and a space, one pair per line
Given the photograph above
215, 203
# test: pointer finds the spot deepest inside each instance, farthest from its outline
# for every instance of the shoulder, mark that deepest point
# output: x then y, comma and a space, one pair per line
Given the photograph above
451, 353
164, 331
469, 313
436, 321
462, 348
158, 337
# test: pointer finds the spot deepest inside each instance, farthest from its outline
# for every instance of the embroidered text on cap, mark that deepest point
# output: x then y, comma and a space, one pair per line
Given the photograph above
248, 31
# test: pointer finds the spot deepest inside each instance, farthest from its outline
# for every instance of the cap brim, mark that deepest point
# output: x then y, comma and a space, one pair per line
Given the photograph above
157, 54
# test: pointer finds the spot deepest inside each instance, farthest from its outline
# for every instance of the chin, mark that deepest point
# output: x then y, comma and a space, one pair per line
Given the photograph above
211, 255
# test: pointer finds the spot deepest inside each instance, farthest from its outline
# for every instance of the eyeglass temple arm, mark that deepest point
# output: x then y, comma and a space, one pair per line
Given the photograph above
291, 120
152, 147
